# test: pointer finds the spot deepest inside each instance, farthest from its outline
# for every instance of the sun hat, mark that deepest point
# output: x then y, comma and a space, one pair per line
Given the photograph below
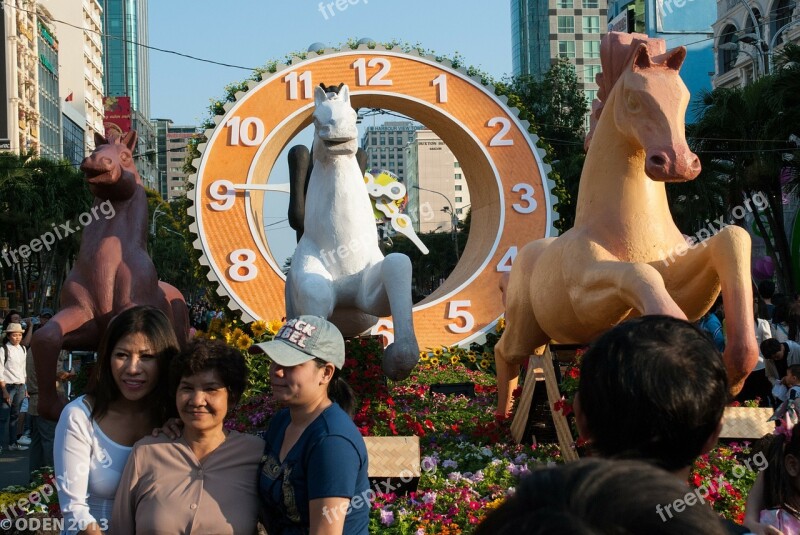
14, 328
305, 338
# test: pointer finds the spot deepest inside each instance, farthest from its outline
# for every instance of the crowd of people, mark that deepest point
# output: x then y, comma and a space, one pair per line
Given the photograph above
144, 450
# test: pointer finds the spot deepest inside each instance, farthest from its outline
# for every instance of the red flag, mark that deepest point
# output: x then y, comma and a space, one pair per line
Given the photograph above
69, 97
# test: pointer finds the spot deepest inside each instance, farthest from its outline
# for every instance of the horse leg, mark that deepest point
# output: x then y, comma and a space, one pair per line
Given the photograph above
177, 312
299, 165
385, 288
523, 335
309, 293
727, 253
47, 343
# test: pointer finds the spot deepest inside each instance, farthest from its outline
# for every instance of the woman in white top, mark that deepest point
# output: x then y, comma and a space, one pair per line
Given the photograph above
127, 397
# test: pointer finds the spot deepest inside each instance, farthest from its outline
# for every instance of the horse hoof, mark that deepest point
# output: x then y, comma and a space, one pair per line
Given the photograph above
399, 360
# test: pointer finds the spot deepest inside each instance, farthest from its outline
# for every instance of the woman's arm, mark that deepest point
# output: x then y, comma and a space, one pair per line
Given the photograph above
753, 507
327, 515
72, 456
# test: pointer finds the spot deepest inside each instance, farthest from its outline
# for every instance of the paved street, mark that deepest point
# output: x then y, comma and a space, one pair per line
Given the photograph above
14, 468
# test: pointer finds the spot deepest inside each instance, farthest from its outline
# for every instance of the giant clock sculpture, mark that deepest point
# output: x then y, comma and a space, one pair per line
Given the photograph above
507, 180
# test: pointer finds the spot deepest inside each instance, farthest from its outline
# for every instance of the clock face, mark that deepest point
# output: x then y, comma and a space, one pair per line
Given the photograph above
507, 180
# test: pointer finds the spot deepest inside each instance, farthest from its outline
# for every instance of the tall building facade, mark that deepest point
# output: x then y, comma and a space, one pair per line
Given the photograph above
437, 188
679, 24
19, 92
544, 30
747, 40
79, 28
172, 152
126, 67
50, 142
384, 145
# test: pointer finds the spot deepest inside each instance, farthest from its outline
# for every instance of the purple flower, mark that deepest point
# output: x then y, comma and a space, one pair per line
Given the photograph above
429, 463
429, 497
449, 463
387, 517
477, 477
454, 476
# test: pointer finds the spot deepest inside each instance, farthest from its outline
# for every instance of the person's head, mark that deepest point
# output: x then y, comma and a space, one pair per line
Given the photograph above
780, 313
132, 362
207, 380
652, 388
782, 475
307, 357
793, 375
12, 317
771, 349
766, 289
45, 315
594, 496
13, 334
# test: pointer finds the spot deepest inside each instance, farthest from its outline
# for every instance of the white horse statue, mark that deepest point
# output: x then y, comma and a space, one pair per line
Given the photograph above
338, 272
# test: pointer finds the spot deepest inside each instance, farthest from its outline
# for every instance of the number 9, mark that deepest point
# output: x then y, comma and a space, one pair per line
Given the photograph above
224, 193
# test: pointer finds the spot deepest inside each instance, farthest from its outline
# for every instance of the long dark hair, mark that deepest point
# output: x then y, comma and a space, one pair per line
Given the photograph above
778, 483
153, 324
339, 391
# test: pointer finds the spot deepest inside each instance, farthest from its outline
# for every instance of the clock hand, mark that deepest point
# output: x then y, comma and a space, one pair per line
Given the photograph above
263, 187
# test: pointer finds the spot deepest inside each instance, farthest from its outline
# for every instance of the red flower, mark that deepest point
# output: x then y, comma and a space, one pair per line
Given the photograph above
563, 406
573, 373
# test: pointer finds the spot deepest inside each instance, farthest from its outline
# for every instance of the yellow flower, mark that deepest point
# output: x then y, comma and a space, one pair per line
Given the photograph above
215, 325
501, 324
434, 361
274, 326
423, 357
454, 360
437, 352
244, 342
423, 353
472, 358
484, 364
258, 328
237, 332
225, 332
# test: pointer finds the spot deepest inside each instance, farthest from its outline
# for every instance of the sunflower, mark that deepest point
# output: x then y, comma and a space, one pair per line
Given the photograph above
472, 358
274, 326
454, 360
437, 352
423, 356
501, 324
484, 364
244, 342
434, 361
258, 328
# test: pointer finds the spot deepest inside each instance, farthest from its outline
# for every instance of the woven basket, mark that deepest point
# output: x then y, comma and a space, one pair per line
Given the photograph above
393, 456
747, 422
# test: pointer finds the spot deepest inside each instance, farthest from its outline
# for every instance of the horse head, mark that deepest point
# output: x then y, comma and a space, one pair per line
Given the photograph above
651, 101
110, 170
334, 123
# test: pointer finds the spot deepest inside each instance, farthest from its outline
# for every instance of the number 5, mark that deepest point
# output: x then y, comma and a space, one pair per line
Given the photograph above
454, 311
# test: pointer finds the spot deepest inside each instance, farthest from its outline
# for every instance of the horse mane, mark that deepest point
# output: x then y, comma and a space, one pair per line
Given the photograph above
616, 53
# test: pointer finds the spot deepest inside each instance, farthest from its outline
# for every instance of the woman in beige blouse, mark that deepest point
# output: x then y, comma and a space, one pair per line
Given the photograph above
206, 481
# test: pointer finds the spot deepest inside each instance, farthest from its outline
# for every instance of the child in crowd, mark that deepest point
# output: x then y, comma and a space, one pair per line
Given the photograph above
671, 384
778, 356
781, 483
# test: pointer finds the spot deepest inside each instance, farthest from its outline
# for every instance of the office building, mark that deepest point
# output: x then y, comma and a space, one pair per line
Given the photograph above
78, 26
679, 24
126, 67
544, 30
443, 196
384, 145
747, 40
50, 144
172, 151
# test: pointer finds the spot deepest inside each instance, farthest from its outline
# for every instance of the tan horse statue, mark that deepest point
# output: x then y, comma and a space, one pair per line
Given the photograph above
625, 257
112, 272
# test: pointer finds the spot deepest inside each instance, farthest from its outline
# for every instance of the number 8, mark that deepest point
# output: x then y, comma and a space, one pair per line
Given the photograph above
242, 258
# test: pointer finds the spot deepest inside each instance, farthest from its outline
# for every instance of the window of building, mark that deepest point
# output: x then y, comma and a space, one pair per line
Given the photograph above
458, 187
591, 72
566, 49
566, 24
565, 4
591, 24
727, 58
458, 199
391, 140
589, 4
458, 176
591, 94
456, 164
591, 49
459, 211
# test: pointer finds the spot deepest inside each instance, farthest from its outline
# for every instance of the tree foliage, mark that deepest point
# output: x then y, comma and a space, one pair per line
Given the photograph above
743, 139
38, 197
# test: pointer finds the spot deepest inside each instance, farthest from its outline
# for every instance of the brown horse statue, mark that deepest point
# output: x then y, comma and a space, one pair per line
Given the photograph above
113, 271
625, 257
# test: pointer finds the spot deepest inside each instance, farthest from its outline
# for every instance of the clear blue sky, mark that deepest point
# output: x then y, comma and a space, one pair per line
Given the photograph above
251, 32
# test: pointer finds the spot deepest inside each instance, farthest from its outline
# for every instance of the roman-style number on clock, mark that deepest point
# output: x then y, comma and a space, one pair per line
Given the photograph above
510, 201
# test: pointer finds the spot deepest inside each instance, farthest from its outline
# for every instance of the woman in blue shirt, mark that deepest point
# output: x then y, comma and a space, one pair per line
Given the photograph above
313, 475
